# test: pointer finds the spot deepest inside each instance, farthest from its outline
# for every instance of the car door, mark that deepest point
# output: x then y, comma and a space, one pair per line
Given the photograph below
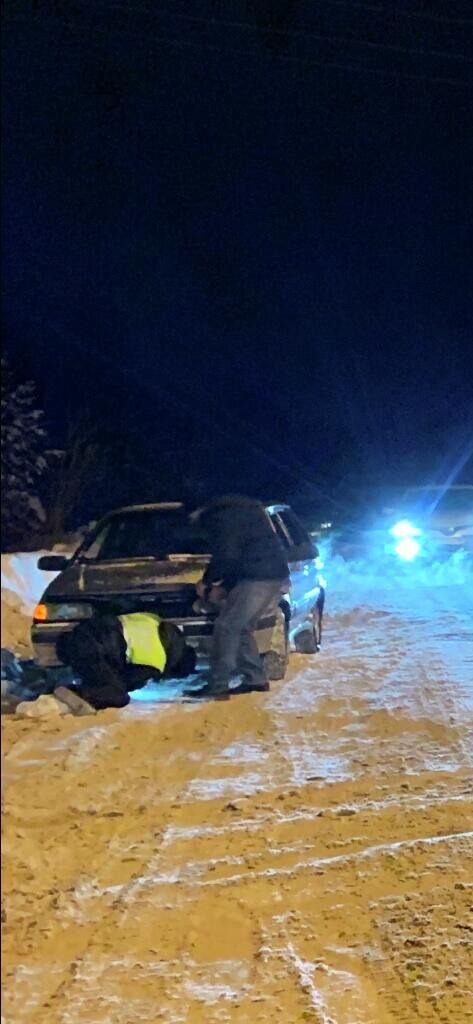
302, 563
304, 572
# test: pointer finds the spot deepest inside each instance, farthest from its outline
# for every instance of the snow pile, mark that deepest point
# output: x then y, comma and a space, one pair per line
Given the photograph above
22, 582
457, 570
16, 630
22, 586
46, 706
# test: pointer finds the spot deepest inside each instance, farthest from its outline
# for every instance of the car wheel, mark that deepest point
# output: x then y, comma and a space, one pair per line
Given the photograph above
276, 660
318, 620
305, 641
308, 641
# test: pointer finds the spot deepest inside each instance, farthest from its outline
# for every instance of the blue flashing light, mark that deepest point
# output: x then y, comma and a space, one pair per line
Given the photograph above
408, 549
404, 529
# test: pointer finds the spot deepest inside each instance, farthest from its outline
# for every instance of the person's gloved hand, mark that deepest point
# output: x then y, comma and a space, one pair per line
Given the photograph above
216, 595
210, 595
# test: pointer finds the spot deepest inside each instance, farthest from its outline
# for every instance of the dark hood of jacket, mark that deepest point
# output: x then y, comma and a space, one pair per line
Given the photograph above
242, 542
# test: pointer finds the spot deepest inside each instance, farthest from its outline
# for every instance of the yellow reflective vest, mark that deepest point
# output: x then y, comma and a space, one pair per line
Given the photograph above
141, 633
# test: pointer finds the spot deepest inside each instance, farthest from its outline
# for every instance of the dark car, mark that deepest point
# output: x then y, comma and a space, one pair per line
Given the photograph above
150, 557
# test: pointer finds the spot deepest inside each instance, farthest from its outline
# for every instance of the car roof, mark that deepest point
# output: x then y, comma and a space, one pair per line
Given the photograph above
276, 508
159, 506
168, 506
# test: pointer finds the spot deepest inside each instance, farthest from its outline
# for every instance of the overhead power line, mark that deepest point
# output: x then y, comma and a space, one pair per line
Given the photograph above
362, 5
181, 43
246, 26
397, 12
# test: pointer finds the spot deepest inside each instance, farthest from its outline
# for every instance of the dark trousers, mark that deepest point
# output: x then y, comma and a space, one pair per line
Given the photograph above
96, 651
234, 650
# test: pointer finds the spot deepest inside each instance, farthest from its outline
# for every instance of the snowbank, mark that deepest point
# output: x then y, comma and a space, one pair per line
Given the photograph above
16, 630
389, 574
22, 581
22, 586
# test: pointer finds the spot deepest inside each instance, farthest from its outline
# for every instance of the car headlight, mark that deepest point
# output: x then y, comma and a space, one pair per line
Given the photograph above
62, 612
404, 529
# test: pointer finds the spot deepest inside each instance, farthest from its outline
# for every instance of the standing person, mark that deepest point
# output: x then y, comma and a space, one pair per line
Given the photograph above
114, 655
249, 562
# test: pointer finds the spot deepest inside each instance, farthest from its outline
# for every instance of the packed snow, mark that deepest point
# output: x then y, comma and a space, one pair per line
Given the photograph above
304, 855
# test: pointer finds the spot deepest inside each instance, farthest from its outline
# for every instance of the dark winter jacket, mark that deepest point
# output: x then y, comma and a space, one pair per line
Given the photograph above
242, 543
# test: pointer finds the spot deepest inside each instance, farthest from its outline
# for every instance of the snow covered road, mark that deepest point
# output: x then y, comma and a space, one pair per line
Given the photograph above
305, 855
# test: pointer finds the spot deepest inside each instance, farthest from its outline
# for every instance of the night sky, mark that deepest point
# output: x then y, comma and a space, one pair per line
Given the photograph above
241, 233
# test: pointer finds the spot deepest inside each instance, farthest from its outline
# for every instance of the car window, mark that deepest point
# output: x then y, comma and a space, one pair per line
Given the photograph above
294, 528
290, 531
280, 530
91, 550
150, 534
303, 548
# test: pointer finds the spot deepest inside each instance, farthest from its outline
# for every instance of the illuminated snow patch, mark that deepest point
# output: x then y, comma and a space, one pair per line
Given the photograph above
158, 692
210, 993
26, 993
82, 746
341, 858
404, 801
242, 752
212, 789
226, 980
306, 972
323, 985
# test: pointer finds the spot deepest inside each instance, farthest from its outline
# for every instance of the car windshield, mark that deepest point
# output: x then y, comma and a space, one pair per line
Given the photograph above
154, 533
445, 501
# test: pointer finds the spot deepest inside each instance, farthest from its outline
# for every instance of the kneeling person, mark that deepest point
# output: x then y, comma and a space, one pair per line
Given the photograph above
115, 655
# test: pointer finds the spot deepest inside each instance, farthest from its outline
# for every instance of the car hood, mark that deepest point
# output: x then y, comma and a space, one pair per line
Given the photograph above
125, 577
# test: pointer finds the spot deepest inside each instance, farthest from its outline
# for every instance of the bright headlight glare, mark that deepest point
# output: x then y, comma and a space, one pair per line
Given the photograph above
408, 549
405, 529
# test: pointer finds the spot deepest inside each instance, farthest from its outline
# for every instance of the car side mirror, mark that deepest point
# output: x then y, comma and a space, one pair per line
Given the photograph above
53, 563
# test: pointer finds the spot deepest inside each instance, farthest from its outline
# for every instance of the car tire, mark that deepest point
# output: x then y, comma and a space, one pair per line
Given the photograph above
305, 642
308, 641
276, 660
